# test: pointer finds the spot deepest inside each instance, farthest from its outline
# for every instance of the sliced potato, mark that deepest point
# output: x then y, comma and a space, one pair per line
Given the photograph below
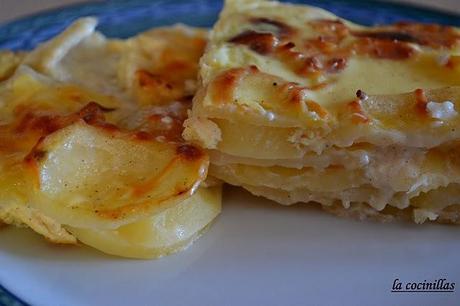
161, 65
98, 177
167, 232
14, 207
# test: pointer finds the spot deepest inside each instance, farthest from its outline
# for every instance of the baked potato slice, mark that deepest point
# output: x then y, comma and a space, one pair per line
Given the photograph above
164, 233
95, 176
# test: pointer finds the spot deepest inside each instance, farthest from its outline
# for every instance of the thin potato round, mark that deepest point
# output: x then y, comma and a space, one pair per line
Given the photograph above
97, 177
167, 232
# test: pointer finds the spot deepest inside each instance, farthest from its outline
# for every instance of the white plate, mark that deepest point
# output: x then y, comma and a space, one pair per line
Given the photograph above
257, 253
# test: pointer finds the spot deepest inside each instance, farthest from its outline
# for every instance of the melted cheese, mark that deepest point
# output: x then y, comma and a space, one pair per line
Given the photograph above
374, 76
86, 145
281, 65
329, 111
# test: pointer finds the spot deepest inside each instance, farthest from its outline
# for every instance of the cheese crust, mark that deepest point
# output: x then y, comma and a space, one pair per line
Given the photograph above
306, 106
90, 140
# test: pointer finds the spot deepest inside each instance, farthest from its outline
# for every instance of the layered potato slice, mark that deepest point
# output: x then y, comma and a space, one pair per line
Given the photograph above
91, 146
91, 177
161, 234
299, 105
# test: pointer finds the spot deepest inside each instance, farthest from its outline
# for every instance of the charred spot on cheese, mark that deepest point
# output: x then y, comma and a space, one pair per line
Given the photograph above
223, 85
188, 99
318, 109
294, 92
384, 49
148, 79
451, 64
310, 64
388, 35
357, 113
336, 64
42, 124
320, 86
181, 192
384, 44
280, 29
100, 107
361, 95
432, 35
260, 42
266, 36
163, 85
35, 155
281, 46
286, 53
189, 152
253, 69
142, 135
329, 51
393, 42
287, 46
93, 113
34, 121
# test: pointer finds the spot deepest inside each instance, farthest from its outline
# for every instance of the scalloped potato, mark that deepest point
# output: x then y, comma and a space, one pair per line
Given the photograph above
161, 234
330, 111
90, 147
93, 178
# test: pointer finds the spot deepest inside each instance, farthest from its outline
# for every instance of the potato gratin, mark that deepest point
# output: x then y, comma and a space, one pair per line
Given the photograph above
100, 143
91, 146
298, 105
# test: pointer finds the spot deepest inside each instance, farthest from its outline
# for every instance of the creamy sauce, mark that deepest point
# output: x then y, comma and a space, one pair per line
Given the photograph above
334, 60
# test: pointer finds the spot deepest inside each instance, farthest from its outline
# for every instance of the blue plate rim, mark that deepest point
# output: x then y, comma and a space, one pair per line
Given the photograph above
92, 3
10, 298
6, 294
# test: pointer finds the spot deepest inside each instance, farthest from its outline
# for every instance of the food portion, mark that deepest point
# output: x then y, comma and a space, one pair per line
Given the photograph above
298, 105
164, 233
90, 141
100, 142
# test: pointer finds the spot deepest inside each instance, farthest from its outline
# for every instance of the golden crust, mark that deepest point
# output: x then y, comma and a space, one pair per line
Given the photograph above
91, 130
249, 75
330, 111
